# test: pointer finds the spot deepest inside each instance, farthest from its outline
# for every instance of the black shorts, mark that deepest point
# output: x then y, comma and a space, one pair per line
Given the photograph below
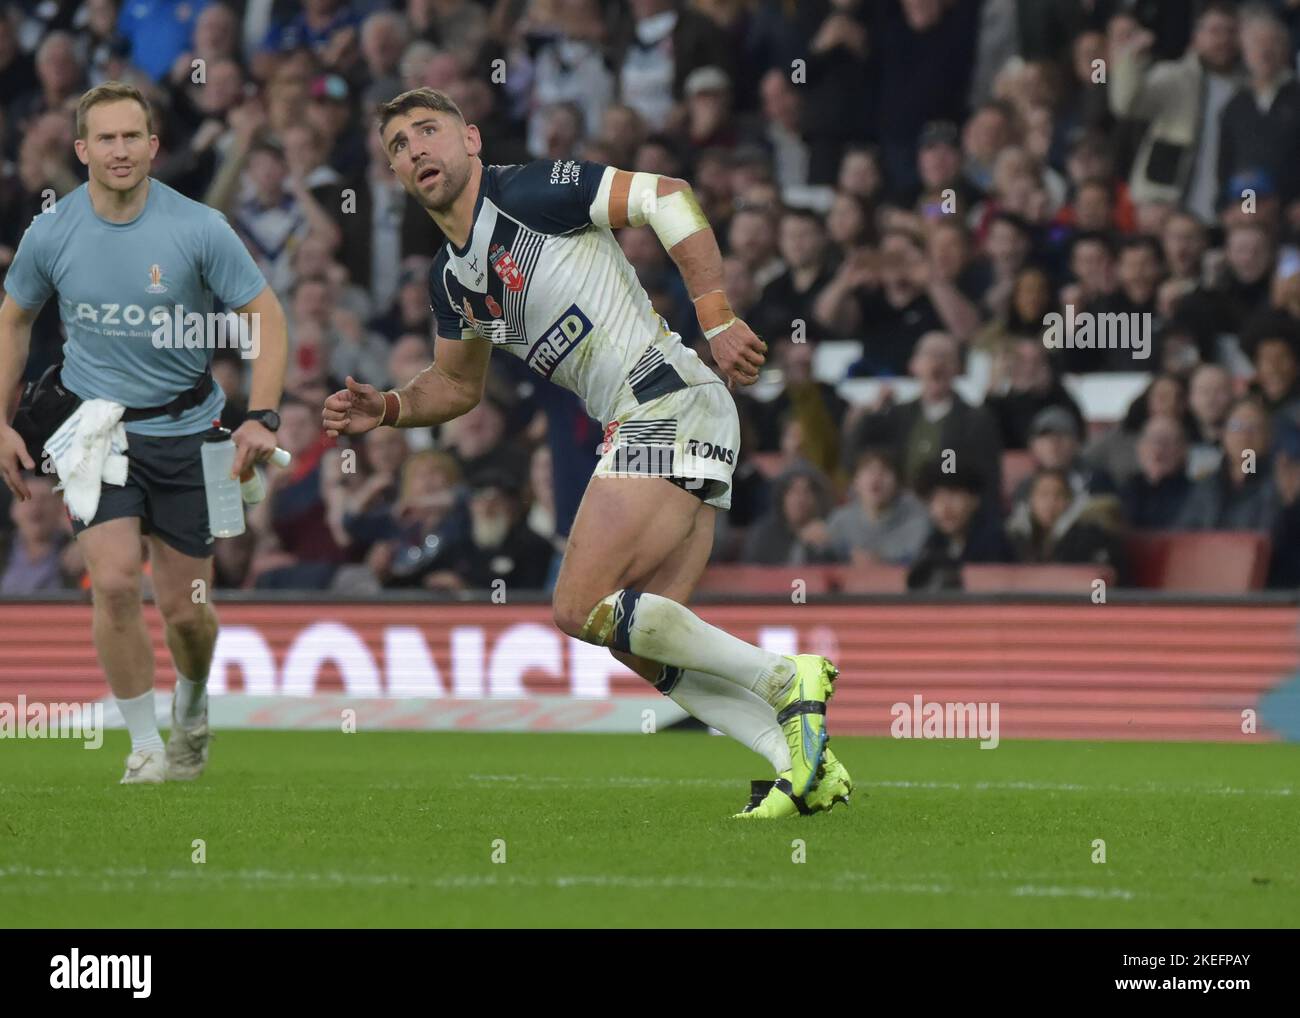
164, 488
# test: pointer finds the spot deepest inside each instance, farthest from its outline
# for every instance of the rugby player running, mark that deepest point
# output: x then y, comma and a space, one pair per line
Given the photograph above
531, 267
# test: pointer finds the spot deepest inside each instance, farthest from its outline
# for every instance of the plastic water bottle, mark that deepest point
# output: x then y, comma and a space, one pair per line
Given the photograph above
225, 507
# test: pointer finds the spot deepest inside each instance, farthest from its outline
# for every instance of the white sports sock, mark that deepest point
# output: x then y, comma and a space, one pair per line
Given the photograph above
191, 701
734, 711
141, 721
672, 634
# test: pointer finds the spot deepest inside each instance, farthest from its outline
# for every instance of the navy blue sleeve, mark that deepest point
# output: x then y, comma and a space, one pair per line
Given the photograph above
550, 197
451, 323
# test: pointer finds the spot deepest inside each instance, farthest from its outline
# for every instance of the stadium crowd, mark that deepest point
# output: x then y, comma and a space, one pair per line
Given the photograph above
932, 178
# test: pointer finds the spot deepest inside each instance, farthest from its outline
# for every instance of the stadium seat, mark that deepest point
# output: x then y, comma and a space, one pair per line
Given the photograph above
1106, 396
877, 579
832, 357
1041, 579
1227, 562
747, 579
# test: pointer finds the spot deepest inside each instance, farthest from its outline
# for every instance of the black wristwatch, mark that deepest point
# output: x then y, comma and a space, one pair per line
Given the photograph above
268, 419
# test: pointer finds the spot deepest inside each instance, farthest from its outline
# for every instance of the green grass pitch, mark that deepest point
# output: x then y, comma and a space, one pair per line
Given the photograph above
399, 829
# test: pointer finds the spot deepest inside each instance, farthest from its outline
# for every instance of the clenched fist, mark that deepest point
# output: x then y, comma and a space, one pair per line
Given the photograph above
738, 353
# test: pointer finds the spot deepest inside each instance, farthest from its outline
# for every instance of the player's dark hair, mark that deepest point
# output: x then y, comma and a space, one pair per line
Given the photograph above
418, 99
111, 92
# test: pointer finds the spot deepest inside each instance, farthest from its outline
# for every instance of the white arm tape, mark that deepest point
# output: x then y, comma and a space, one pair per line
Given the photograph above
599, 210
675, 217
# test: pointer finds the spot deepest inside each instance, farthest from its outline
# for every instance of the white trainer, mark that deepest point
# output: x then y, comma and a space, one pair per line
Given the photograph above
145, 767
187, 750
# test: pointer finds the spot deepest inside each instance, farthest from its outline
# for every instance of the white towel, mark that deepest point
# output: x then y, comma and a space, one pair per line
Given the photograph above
88, 449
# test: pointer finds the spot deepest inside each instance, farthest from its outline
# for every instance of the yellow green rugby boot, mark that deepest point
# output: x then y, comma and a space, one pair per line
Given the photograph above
801, 713
834, 785
770, 800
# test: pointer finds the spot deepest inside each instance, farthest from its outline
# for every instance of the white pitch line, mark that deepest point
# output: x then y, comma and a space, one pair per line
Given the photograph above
526, 781
114, 879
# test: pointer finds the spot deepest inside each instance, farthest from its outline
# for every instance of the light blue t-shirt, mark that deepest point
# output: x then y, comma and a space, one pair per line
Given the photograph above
114, 279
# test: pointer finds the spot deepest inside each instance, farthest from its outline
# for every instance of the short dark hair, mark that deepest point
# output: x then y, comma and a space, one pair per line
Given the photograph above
111, 92
1092, 237
933, 477
1271, 324
877, 454
1143, 241
417, 99
1016, 221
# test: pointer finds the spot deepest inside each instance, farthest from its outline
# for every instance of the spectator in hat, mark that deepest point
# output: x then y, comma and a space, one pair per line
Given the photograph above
1054, 444
1051, 526
1258, 128
1154, 497
964, 527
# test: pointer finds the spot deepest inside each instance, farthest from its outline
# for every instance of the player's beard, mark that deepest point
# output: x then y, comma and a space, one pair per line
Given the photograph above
456, 182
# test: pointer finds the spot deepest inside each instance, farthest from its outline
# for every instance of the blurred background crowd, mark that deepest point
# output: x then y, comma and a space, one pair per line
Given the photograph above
903, 190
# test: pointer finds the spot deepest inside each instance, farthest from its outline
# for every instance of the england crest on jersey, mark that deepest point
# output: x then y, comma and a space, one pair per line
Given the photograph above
504, 264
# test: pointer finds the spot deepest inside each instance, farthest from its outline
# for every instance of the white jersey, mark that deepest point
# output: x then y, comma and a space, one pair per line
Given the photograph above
540, 280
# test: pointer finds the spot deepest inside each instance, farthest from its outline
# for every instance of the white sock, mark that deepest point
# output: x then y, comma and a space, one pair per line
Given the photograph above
141, 721
734, 711
191, 701
672, 634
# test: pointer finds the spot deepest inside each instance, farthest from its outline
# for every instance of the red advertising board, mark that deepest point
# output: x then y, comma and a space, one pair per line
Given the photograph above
1056, 671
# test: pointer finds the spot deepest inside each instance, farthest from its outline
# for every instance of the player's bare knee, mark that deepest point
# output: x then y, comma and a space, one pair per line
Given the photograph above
117, 594
193, 623
570, 614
